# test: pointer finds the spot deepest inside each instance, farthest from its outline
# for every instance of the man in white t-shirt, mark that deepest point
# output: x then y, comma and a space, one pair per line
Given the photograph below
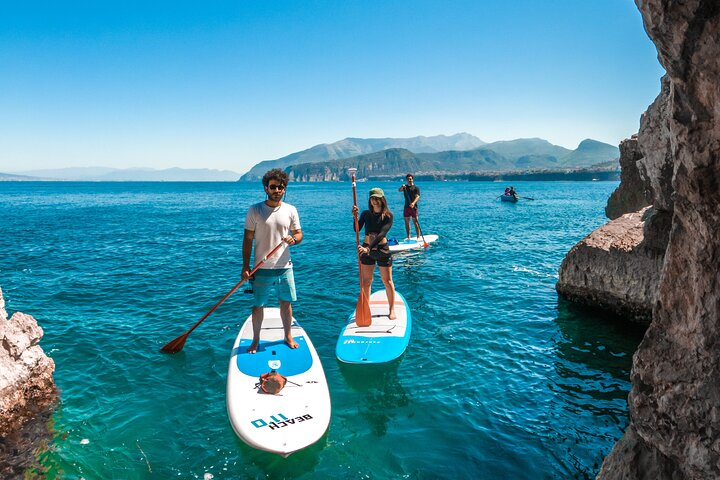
270, 223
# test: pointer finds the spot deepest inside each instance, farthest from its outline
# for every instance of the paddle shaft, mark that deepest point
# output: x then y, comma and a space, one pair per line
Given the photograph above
232, 290
425, 244
363, 317
355, 216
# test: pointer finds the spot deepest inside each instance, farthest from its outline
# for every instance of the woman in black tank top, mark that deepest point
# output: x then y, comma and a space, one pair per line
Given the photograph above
377, 220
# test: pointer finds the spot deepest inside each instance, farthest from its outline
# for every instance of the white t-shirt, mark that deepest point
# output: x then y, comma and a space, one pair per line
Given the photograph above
271, 225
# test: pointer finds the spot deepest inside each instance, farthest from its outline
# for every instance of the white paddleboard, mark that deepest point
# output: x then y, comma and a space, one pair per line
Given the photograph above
300, 413
384, 340
412, 242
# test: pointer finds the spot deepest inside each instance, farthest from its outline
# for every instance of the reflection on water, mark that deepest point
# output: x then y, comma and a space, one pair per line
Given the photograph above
593, 361
594, 341
380, 390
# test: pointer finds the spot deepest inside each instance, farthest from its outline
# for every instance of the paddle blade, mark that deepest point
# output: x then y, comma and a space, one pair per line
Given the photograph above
363, 317
176, 345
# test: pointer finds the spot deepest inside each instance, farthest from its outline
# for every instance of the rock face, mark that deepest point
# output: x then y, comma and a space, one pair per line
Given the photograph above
655, 141
630, 194
27, 389
624, 277
614, 268
675, 397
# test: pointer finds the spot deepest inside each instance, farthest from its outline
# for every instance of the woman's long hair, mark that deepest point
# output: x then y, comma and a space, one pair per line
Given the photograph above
384, 210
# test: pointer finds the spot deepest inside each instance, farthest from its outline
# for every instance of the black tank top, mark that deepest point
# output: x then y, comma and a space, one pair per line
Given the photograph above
375, 224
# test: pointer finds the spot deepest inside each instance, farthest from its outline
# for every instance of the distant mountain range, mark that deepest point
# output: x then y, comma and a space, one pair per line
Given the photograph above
351, 147
527, 154
437, 156
103, 174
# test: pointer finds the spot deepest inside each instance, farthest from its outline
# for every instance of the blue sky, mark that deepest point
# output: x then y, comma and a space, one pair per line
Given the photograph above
228, 84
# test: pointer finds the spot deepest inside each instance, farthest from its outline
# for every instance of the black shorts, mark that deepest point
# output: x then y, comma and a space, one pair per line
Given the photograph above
381, 255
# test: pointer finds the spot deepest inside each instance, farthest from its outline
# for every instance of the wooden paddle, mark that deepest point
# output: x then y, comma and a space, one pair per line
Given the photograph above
526, 198
176, 345
363, 317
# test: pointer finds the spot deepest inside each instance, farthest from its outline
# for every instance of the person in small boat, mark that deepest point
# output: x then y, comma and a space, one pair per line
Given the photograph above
268, 223
377, 220
412, 197
507, 191
513, 192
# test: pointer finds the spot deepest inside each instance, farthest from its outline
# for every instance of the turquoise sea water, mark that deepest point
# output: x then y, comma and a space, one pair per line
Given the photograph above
501, 379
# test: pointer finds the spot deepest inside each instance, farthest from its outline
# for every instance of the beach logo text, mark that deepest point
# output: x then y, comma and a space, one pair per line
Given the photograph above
280, 422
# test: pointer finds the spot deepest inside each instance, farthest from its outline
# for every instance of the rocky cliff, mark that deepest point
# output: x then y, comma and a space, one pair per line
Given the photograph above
674, 403
618, 266
630, 196
27, 390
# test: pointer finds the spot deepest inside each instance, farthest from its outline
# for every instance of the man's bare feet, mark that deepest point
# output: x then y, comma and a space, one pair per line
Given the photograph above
253, 347
392, 315
291, 342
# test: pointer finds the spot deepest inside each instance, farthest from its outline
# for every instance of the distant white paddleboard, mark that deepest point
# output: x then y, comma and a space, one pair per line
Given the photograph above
384, 340
300, 413
412, 242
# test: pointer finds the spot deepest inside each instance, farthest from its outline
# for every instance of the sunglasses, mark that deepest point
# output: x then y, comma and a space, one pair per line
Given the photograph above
276, 187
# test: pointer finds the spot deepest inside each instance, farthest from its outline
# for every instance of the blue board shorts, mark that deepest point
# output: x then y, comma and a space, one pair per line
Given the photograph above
279, 281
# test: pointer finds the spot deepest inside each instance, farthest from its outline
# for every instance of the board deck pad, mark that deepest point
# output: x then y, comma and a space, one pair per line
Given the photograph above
299, 414
382, 341
411, 243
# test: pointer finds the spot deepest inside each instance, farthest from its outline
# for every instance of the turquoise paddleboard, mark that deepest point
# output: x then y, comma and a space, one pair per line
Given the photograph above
384, 340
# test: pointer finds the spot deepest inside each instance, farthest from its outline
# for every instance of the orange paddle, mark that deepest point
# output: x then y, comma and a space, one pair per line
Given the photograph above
176, 345
425, 244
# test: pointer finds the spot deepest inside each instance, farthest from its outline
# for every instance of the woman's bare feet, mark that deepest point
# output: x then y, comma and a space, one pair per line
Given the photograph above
253, 347
392, 315
291, 342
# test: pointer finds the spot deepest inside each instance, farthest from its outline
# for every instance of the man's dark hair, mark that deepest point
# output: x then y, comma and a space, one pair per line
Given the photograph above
275, 174
410, 175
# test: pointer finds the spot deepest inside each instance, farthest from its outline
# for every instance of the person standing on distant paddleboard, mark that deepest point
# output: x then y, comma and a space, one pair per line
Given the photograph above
269, 223
412, 197
377, 220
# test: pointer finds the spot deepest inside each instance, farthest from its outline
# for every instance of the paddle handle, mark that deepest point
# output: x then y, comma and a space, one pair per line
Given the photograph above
232, 290
355, 215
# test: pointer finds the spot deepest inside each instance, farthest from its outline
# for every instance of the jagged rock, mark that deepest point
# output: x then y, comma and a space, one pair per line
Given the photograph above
656, 149
3, 312
27, 392
630, 195
26, 384
613, 269
631, 459
657, 230
675, 396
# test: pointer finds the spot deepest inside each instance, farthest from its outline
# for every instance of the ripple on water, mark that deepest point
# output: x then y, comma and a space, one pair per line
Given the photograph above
500, 378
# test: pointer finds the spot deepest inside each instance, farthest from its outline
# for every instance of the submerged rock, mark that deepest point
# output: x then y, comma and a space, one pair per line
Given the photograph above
27, 390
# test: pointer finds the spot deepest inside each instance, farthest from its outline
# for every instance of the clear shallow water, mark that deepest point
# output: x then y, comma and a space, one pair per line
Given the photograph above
501, 379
